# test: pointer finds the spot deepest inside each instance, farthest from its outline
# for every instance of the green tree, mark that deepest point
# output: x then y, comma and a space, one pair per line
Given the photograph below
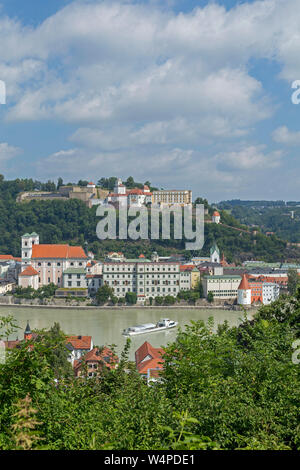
131, 298
210, 297
104, 293
293, 281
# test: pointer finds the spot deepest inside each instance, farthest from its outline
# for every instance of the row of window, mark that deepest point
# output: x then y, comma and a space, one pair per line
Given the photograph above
140, 269
59, 264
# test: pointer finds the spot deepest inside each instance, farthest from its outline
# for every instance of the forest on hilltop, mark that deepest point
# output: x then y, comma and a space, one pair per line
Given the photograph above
72, 222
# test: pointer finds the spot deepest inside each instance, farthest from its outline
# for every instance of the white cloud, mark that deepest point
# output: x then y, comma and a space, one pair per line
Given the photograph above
151, 91
7, 152
284, 136
249, 158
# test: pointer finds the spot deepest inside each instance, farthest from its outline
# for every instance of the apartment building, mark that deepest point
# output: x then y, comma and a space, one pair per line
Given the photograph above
144, 277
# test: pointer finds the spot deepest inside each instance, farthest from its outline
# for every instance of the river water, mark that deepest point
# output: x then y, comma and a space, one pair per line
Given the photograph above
106, 325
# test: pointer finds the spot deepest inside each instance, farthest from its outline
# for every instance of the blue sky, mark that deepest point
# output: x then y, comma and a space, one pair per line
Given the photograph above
186, 94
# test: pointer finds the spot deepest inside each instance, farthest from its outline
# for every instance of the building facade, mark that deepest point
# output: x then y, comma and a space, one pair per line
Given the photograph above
223, 287
142, 276
172, 197
50, 261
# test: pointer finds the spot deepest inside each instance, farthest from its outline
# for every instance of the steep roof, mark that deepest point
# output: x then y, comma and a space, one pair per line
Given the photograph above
216, 214
80, 342
214, 248
104, 356
58, 251
155, 357
29, 271
244, 283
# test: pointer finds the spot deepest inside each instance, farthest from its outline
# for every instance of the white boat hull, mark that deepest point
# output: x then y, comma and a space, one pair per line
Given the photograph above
150, 330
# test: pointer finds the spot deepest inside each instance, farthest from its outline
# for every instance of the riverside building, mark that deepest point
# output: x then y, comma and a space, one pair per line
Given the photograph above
144, 277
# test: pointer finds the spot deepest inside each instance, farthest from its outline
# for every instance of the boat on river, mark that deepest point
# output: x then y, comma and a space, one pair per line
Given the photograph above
164, 324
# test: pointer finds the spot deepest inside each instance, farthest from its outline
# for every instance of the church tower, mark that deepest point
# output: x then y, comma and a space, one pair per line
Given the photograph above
27, 332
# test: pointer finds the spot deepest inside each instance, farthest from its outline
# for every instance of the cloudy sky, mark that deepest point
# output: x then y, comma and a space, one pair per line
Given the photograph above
185, 93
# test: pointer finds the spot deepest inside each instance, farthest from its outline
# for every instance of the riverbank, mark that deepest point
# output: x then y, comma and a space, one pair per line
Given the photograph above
128, 307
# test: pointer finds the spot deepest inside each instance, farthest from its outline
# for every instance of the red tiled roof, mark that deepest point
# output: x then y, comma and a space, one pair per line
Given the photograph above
216, 214
4, 257
244, 283
105, 356
156, 363
136, 191
80, 342
58, 251
187, 267
155, 357
29, 271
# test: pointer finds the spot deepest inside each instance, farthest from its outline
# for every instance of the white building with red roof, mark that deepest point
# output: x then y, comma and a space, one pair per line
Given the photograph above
129, 197
216, 217
49, 261
78, 345
29, 277
149, 361
244, 292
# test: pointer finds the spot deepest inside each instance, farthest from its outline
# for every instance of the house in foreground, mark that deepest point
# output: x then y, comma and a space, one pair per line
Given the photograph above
95, 362
149, 361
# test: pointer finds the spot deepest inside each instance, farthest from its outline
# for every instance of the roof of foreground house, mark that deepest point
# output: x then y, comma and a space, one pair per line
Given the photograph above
148, 357
58, 251
104, 355
80, 342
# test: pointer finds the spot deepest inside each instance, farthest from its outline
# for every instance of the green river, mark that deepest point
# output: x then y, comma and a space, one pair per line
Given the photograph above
106, 325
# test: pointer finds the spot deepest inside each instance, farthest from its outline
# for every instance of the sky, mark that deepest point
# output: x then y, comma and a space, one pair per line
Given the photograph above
186, 94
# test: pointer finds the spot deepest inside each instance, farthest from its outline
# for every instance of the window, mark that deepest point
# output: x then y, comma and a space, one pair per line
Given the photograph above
48, 279
78, 276
58, 279
49, 264
69, 276
69, 283
58, 264
78, 283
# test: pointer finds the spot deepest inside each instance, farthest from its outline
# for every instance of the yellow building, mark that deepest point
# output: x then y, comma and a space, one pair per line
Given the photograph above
172, 196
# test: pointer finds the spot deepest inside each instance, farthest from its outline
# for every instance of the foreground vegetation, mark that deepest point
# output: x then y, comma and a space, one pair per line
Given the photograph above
236, 388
